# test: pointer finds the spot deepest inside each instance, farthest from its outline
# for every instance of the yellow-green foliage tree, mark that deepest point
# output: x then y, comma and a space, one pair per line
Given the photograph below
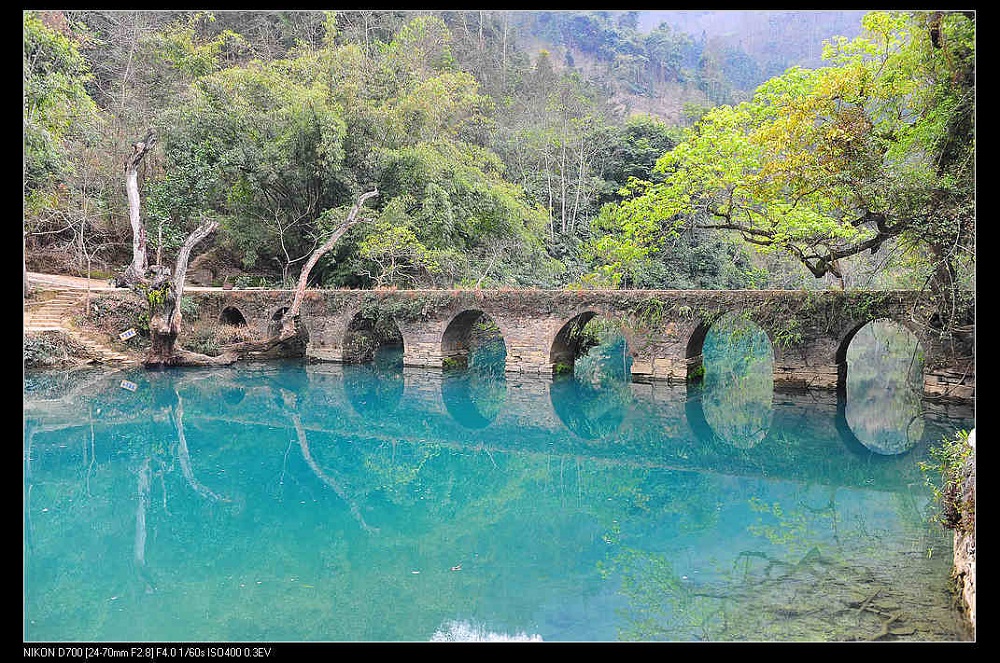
825, 164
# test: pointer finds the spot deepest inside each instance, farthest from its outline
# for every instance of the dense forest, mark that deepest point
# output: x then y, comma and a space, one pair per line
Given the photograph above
548, 149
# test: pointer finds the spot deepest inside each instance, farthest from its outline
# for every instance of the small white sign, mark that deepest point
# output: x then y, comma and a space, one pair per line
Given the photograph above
130, 386
127, 334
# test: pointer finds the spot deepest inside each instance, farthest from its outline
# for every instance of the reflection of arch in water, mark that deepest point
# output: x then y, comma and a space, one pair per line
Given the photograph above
473, 340
880, 385
591, 412
232, 396
474, 398
850, 440
575, 340
694, 412
374, 389
736, 390
367, 334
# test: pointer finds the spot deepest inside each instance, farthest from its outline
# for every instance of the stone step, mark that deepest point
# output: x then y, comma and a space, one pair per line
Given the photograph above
55, 314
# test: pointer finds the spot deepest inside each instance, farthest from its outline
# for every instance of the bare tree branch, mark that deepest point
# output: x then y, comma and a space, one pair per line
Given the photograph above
351, 220
136, 271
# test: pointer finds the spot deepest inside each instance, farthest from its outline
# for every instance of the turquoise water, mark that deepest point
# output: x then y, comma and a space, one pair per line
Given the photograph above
323, 502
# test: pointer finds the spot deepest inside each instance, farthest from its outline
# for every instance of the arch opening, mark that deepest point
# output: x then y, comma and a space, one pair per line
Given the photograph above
373, 337
591, 348
882, 373
473, 340
232, 317
233, 328
274, 325
736, 380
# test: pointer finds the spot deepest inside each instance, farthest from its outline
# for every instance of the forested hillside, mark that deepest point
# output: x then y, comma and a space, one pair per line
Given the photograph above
541, 149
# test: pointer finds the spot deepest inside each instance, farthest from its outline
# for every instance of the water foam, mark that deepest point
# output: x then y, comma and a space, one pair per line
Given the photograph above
465, 631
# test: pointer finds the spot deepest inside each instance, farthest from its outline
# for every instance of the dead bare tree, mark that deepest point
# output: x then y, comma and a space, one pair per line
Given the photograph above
135, 273
164, 294
288, 337
290, 320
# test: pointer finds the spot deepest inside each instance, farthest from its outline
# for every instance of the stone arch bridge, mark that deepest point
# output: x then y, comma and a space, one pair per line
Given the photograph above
664, 330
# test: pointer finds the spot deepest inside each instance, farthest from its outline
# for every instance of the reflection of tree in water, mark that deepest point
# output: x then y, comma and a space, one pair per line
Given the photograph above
328, 477
397, 470
154, 441
738, 387
884, 388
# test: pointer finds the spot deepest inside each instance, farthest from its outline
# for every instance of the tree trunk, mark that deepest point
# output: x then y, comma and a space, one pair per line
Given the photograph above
136, 271
24, 265
562, 185
164, 297
290, 321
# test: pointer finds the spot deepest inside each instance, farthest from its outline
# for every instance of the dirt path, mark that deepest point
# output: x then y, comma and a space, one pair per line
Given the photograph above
37, 279
59, 281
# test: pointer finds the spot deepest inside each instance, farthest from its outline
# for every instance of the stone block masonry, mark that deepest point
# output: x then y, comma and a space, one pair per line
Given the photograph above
809, 331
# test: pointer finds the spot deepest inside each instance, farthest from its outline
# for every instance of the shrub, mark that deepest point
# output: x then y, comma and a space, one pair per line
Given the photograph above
951, 476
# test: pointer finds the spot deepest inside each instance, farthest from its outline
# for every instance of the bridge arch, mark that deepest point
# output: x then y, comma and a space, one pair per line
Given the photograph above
574, 340
367, 333
693, 352
469, 331
857, 326
568, 342
232, 317
735, 385
275, 320
881, 384
233, 327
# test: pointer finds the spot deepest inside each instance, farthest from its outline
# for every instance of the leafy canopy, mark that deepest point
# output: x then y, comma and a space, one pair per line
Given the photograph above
55, 99
826, 163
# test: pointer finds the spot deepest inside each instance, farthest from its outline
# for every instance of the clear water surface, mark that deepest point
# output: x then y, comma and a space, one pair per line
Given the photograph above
299, 502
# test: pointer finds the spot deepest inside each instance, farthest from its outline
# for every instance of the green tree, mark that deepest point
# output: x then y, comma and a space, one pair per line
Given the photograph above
264, 152
397, 254
826, 164
59, 121
269, 146
55, 103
